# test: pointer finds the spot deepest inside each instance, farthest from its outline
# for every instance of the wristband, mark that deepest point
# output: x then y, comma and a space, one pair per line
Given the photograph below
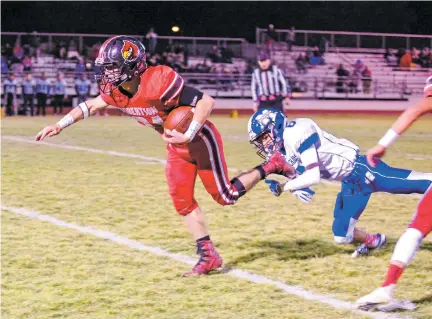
194, 127
84, 108
389, 138
66, 121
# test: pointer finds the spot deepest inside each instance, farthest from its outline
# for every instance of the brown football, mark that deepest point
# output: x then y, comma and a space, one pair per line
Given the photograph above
179, 119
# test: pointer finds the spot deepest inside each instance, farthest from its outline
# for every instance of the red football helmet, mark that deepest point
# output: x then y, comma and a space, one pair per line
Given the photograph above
120, 58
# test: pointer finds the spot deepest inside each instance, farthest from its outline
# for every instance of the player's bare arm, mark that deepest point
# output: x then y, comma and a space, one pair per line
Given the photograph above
405, 120
203, 110
82, 111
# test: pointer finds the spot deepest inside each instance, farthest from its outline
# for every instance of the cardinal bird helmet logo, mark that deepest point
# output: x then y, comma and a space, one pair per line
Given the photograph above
129, 51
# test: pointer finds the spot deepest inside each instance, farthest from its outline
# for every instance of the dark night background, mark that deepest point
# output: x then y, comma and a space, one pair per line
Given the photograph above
224, 19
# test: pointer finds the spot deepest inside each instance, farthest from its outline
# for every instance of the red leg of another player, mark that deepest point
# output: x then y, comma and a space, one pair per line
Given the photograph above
423, 218
409, 242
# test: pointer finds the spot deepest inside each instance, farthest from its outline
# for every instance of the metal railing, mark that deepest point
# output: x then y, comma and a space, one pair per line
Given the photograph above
194, 45
302, 86
349, 41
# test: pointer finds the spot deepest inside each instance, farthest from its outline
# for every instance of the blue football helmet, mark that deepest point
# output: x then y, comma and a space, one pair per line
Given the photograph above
266, 127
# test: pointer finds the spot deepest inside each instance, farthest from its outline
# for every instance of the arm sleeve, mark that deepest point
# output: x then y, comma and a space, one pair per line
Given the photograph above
189, 96
253, 88
311, 176
285, 87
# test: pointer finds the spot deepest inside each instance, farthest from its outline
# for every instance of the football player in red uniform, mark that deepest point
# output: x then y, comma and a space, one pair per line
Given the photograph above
421, 224
149, 94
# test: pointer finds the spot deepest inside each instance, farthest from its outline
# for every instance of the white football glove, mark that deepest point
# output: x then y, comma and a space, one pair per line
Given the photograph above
305, 194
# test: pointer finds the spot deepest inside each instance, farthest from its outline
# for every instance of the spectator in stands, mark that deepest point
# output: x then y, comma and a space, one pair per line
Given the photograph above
359, 66
430, 59
300, 63
28, 86
80, 67
4, 65
154, 60
95, 50
10, 90
42, 91
72, 51
35, 44
59, 94
271, 37
18, 52
367, 80
390, 57
316, 52
215, 54
63, 51
17, 67
202, 67
316, 58
323, 47
354, 80
406, 60
291, 39
309, 54
227, 54
342, 76
249, 68
27, 63
415, 56
82, 87
425, 57
272, 92
151, 37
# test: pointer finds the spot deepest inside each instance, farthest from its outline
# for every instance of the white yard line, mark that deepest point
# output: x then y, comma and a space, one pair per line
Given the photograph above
85, 149
236, 273
152, 160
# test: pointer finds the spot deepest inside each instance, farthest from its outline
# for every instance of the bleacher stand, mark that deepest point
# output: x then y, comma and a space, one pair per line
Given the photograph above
311, 70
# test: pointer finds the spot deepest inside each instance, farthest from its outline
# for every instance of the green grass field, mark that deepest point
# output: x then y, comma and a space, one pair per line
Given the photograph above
53, 272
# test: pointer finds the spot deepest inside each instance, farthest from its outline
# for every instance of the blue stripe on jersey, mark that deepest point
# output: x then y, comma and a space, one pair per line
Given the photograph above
311, 140
301, 169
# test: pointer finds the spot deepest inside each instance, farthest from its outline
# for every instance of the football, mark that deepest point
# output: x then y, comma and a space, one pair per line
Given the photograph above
179, 119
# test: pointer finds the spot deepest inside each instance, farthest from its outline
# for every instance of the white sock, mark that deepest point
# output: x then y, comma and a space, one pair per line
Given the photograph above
407, 246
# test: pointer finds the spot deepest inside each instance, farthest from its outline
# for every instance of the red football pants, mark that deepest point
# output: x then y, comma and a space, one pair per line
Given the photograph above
423, 217
203, 156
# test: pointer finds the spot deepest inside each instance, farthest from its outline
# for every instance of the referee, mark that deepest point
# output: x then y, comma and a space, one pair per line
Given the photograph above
269, 87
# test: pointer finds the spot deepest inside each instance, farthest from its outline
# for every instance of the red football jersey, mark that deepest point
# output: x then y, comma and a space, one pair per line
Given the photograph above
157, 94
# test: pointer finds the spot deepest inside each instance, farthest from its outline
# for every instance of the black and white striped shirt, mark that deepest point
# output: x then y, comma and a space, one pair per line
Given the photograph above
269, 82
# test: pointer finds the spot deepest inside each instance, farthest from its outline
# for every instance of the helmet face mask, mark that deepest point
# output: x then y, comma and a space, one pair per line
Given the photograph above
264, 143
120, 58
108, 78
266, 128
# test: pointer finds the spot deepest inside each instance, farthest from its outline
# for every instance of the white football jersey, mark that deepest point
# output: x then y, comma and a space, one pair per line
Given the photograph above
336, 156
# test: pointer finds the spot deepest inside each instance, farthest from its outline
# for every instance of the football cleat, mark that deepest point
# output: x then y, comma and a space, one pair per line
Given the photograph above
381, 295
371, 242
209, 260
382, 299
